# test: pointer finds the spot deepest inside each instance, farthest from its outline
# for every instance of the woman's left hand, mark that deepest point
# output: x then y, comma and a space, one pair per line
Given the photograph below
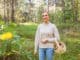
44, 41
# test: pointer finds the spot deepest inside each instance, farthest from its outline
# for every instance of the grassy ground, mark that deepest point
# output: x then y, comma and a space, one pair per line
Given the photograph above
72, 40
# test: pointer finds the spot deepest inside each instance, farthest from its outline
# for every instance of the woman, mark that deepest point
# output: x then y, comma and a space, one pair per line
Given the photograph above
46, 34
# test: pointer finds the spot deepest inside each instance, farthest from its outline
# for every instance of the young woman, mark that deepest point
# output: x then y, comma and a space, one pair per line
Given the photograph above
46, 34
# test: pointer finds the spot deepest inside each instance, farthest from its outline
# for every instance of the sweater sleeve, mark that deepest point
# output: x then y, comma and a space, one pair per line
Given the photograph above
56, 35
37, 38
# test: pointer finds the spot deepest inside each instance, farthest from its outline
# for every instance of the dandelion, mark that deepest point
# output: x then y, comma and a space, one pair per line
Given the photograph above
6, 36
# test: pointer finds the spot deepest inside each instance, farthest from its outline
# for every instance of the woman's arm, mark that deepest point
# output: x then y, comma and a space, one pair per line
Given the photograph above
56, 35
37, 38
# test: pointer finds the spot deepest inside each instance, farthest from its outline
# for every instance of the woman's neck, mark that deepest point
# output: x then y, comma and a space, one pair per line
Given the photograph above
47, 22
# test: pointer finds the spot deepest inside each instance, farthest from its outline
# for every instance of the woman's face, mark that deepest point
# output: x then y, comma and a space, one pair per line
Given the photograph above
45, 17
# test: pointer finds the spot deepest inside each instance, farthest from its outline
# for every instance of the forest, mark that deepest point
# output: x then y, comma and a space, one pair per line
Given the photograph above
19, 20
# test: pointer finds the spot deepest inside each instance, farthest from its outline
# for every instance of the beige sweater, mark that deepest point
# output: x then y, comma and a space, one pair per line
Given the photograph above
48, 31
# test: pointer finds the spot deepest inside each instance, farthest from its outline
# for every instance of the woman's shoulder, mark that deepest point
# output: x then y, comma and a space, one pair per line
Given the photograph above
53, 24
39, 25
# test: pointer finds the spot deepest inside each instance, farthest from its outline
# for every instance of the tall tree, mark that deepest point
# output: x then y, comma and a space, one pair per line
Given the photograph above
12, 10
4, 11
75, 10
63, 6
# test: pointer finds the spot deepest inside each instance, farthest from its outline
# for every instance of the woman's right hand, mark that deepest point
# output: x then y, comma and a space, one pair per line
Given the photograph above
35, 52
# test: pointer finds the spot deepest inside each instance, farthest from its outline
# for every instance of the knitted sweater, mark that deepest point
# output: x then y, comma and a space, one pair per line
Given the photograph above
48, 31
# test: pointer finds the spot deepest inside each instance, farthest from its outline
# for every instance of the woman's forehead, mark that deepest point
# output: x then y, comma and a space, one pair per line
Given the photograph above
45, 13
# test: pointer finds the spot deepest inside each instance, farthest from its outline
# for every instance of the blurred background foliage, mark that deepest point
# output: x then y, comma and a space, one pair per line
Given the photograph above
21, 17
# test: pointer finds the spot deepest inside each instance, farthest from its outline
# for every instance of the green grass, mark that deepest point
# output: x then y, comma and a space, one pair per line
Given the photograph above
73, 44
28, 33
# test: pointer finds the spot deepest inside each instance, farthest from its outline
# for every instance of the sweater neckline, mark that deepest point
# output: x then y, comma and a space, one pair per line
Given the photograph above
47, 23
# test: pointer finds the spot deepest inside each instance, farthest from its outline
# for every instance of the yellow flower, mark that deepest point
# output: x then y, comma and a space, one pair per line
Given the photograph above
6, 36
3, 37
9, 35
0, 36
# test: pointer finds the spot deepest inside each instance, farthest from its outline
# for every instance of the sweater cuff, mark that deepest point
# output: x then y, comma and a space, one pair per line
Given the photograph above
51, 39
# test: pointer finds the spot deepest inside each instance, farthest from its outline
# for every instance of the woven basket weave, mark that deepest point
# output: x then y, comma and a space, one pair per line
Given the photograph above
61, 49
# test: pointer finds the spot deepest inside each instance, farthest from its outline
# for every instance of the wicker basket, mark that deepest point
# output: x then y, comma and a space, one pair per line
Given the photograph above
61, 49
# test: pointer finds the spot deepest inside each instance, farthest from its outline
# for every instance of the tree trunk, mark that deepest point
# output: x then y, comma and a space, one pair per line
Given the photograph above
75, 10
63, 6
4, 12
7, 3
48, 6
12, 11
